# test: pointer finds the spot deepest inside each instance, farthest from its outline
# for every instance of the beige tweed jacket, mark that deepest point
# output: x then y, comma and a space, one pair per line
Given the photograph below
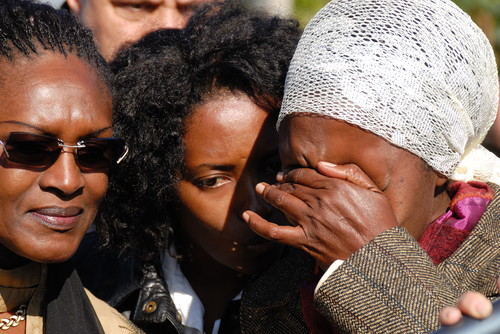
391, 285
388, 286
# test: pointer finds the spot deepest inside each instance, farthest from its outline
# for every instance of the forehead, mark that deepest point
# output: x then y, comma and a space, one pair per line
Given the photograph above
314, 138
51, 88
44, 62
228, 125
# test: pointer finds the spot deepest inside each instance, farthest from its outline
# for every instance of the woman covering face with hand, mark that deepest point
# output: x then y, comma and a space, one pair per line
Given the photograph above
198, 108
385, 106
56, 149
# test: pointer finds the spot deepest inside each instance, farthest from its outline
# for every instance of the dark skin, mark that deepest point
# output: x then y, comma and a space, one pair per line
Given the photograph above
230, 146
20, 328
335, 208
315, 193
215, 284
45, 212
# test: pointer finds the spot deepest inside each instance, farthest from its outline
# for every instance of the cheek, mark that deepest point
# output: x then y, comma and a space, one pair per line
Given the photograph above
110, 31
207, 210
117, 29
96, 184
124, 30
412, 199
15, 185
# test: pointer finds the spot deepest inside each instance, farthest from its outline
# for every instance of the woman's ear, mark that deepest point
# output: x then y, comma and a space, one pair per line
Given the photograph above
75, 6
440, 180
441, 183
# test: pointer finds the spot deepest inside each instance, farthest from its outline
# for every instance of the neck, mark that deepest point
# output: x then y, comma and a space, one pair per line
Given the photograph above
10, 260
215, 284
442, 202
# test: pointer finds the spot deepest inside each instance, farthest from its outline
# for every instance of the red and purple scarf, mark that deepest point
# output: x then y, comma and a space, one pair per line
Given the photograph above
440, 240
443, 236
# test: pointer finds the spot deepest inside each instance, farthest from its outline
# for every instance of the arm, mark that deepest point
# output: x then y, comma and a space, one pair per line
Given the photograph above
388, 282
388, 286
331, 216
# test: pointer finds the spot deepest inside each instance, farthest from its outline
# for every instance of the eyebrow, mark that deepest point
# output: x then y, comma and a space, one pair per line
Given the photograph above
95, 133
225, 168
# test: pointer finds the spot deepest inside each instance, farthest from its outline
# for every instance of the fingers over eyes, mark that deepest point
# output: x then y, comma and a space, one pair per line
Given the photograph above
350, 172
304, 176
282, 200
326, 173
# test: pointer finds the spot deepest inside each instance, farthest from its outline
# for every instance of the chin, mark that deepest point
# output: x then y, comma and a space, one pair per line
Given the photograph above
52, 255
54, 259
259, 262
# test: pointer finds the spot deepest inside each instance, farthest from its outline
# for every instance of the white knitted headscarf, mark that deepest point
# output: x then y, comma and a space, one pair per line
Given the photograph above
418, 73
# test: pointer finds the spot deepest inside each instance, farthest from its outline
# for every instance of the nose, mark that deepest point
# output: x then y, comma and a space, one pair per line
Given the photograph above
64, 176
249, 198
171, 15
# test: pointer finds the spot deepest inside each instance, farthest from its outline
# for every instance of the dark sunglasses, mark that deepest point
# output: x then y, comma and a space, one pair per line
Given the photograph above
42, 151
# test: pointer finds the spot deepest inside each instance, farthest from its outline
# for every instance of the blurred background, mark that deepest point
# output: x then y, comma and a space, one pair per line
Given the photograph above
486, 13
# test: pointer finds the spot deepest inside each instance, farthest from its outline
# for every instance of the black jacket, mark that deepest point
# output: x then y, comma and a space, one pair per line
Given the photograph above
141, 293
138, 292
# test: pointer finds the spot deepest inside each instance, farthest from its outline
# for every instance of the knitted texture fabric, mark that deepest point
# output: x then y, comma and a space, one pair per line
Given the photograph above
391, 285
418, 73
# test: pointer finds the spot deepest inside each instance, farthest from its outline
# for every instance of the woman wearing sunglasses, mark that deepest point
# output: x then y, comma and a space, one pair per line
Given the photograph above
56, 148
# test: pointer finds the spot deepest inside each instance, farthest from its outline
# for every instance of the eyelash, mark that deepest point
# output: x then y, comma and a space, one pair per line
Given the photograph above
135, 7
205, 183
138, 7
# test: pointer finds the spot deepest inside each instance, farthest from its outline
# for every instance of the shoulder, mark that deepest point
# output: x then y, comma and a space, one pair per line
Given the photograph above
272, 299
107, 275
493, 210
111, 320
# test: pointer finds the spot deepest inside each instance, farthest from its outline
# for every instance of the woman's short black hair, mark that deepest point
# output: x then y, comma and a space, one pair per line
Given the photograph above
28, 28
158, 82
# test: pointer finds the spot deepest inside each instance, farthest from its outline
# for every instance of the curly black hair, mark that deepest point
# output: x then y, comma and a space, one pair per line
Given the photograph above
158, 82
28, 28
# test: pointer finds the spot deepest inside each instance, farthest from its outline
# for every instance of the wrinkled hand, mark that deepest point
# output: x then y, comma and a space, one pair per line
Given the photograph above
333, 211
471, 303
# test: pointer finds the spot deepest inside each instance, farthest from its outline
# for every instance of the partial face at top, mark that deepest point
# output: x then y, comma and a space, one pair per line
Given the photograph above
116, 22
231, 145
406, 181
44, 212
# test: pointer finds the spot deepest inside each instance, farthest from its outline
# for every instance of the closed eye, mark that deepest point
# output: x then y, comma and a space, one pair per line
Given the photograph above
136, 7
134, 10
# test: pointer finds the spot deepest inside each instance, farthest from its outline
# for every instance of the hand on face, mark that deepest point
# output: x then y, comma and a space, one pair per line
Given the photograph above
230, 146
334, 211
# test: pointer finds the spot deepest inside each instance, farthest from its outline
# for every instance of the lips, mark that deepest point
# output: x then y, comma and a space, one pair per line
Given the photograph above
58, 218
